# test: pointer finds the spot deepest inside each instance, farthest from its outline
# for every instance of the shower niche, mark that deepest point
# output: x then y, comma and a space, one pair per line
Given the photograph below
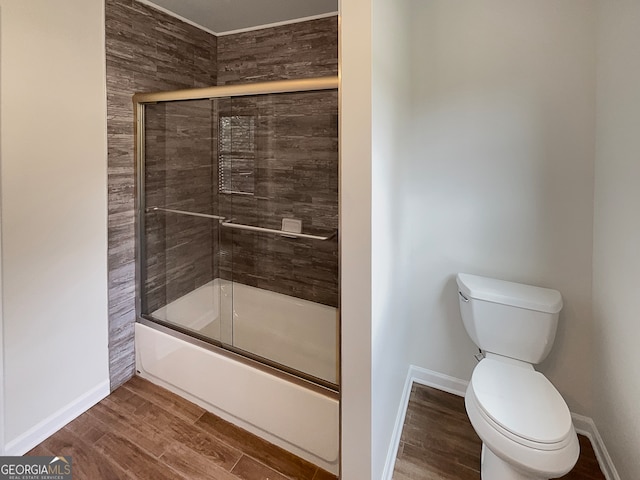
221, 171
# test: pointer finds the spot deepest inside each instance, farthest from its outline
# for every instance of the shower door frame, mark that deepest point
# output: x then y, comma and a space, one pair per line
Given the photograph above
217, 346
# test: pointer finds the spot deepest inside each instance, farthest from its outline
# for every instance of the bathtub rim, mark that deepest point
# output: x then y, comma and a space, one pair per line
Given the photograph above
315, 384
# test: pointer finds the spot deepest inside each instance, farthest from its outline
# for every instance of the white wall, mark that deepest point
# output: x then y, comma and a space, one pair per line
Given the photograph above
616, 257
500, 181
54, 211
355, 238
390, 333
374, 118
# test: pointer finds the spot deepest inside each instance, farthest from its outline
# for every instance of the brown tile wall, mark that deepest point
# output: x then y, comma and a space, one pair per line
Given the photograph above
295, 176
299, 50
147, 50
179, 174
296, 171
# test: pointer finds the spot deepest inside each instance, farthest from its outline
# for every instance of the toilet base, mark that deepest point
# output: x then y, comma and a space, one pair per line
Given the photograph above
494, 468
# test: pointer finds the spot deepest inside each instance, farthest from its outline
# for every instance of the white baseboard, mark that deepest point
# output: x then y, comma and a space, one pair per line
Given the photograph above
437, 380
583, 425
390, 463
56, 421
587, 427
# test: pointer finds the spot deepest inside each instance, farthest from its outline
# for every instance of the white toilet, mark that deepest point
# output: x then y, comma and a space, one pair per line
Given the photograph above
523, 422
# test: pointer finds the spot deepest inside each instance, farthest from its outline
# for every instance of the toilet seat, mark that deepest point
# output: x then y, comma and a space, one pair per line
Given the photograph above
507, 428
521, 404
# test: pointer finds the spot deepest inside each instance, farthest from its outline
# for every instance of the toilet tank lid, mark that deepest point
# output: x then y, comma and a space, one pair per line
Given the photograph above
509, 293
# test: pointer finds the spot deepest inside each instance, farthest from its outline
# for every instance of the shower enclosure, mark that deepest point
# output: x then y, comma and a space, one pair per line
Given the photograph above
237, 226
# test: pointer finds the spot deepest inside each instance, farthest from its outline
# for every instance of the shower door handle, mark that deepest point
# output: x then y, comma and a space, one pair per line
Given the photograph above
282, 233
184, 212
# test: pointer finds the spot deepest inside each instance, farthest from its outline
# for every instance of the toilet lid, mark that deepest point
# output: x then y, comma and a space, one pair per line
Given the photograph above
521, 401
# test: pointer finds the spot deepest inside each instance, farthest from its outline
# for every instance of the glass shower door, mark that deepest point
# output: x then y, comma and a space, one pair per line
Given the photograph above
180, 244
238, 226
278, 190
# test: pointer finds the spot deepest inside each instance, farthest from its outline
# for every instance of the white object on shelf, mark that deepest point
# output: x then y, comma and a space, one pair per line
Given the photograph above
292, 225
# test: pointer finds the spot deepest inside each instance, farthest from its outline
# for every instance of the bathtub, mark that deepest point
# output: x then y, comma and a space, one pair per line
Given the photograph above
283, 329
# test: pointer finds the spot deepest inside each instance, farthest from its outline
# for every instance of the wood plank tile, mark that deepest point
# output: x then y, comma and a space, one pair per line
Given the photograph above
407, 470
208, 446
587, 467
169, 426
88, 428
165, 399
440, 463
132, 459
145, 436
324, 475
131, 437
432, 417
253, 446
249, 469
438, 442
87, 462
193, 465
456, 453
126, 400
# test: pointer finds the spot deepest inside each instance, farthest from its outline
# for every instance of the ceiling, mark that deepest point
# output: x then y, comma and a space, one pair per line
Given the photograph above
223, 16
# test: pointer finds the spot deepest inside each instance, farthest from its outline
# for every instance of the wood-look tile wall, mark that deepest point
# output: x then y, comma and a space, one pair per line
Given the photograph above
179, 174
146, 50
295, 175
299, 50
297, 165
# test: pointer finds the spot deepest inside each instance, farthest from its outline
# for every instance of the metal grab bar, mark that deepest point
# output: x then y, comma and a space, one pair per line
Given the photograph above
282, 233
184, 212
240, 226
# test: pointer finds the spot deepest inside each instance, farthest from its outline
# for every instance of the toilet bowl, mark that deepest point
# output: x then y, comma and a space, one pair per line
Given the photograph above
523, 421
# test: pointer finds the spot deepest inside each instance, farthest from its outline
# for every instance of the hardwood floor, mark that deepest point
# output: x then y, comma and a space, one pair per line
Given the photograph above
438, 442
142, 431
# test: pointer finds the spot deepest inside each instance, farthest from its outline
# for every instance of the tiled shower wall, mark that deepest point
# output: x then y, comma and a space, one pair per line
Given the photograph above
147, 50
179, 174
295, 175
150, 51
299, 50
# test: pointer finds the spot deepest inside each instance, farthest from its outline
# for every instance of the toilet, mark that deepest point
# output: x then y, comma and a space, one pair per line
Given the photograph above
523, 422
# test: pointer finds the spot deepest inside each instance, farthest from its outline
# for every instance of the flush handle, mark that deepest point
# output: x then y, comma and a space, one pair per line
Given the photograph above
464, 299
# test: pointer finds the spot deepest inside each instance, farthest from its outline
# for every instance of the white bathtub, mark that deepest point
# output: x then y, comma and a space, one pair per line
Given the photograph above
286, 330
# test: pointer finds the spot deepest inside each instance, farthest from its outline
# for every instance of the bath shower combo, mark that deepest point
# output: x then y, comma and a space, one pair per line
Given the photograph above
237, 255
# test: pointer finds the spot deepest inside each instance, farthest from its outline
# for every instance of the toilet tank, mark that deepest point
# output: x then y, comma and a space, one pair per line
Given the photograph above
509, 319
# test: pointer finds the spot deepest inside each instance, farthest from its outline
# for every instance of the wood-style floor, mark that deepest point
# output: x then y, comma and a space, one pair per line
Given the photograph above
438, 442
142, 431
